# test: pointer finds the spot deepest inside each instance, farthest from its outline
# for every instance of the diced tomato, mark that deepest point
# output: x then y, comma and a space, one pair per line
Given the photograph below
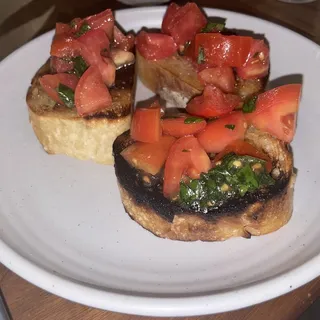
221, 77
212, 103
257, 65
221, 132
121, 41
108, 71
59, 65
185, 156
91, 93
50, 83
149, 157
243, 148
218, 50
93, 43
62, 28
182, 23
154, 46
103, 20
145, 125
65, 46
276, 111
169, 17
177, 127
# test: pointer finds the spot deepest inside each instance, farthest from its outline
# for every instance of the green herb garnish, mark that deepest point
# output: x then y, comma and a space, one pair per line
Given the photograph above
201, 55
66, 94
234, 177
249, 105
79, 66
83, 29
72, 23
185, 150
230, 126
213, 27
191, 120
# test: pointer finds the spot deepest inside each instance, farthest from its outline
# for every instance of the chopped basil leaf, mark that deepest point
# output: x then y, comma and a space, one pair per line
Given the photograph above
213, 27
72, 23
83, 29
230, 126
66, 94
249, 105
191, 120
185, 150
79, 66
201, 57
225, 181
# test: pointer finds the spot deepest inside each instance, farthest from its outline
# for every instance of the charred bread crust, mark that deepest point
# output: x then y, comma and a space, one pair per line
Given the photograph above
254, 214
61, 130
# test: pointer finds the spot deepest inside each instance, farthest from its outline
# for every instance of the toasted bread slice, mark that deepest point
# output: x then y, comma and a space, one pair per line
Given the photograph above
257, 213
61, 130
176, 80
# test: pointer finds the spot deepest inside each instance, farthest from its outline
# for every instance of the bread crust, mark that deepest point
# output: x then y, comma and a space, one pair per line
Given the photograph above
61, 130
176, 81
253, 215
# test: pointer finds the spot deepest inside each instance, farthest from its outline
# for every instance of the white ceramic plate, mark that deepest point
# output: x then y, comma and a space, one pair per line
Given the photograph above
63, 227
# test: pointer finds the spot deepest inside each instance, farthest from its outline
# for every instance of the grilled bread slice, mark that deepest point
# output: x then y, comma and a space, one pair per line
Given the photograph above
176, 80
61, 130
256, 213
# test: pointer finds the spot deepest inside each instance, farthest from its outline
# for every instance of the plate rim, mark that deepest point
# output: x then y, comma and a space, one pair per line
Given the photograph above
205, 303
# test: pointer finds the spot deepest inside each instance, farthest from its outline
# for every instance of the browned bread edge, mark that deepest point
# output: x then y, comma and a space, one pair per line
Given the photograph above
61, 130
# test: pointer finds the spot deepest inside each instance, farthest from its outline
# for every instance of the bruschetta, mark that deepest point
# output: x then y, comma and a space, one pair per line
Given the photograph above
192, 51
80, 100
210, 175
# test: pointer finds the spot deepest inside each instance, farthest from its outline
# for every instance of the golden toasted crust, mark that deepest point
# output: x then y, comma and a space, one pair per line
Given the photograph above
263, 215
61, 130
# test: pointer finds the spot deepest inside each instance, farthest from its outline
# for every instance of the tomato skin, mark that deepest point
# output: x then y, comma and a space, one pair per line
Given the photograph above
93, 42
149, 157
220, 50
185, 156
243, 148
258, 63
103, 21
145, 125
221, 77
50, 83
212, 103
182, 23
59, 65
65, 46
177, 128
276, 111
155, 46
62, 28
121, 41
168, 19
216, 136
91, 94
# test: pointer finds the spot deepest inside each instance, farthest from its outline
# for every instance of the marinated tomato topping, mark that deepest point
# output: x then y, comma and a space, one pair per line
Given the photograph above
202, 160
84, 50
